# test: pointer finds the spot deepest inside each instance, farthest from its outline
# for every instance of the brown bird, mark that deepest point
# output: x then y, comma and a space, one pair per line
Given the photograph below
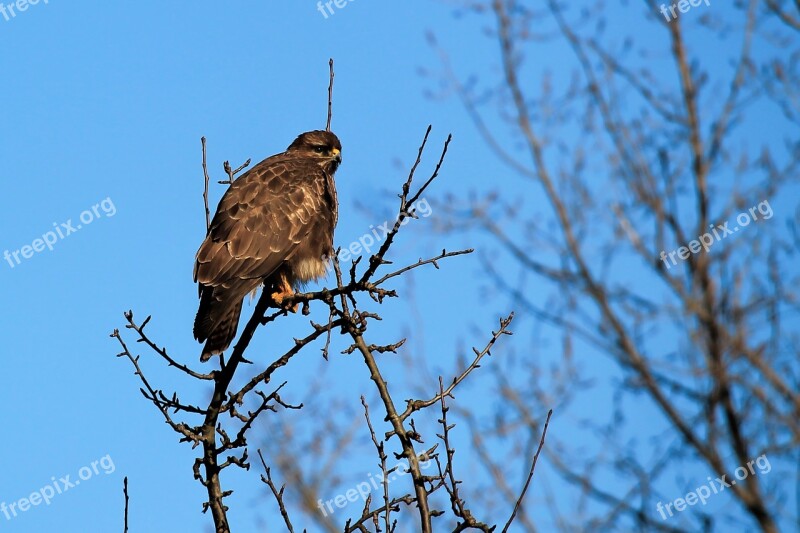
274, 226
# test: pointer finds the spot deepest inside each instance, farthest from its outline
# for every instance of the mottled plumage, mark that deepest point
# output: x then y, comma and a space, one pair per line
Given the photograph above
274, 225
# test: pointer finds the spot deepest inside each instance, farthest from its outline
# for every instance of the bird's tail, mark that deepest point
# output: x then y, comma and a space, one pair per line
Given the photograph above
216, 322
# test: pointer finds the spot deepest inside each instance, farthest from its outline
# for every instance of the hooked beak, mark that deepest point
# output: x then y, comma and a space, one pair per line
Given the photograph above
336, 159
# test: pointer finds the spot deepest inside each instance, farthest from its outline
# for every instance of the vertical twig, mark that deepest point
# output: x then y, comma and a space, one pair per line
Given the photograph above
205, 189
382, 455
330, 95
125, 492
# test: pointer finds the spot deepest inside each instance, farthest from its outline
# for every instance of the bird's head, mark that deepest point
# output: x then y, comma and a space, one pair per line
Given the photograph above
322, 146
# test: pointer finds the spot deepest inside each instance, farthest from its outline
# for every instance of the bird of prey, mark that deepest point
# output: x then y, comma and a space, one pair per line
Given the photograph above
274, 226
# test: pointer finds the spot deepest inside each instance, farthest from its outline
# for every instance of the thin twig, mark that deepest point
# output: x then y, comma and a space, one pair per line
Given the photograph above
377, 259
125, 492
161, 351
432, 261
382, 455
416, 405
530, 474
458, 505
181, 428
231, 172
330, 95
205, 189
277, 493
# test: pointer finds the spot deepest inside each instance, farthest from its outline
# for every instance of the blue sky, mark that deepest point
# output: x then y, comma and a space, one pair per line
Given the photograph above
103, 104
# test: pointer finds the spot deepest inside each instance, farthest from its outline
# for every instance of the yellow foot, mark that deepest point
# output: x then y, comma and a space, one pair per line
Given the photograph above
284, 291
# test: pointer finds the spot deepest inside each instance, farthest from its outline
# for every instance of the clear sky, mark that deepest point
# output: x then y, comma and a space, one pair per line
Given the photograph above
102, 107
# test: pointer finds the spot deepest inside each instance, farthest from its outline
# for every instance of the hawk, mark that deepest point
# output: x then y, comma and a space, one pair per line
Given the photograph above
274, 226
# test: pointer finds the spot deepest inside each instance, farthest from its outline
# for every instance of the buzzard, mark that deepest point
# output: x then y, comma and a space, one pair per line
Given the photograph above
274, 226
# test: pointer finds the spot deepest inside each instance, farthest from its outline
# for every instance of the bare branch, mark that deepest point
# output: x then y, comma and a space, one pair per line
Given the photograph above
277, 493
330, 95
530, 474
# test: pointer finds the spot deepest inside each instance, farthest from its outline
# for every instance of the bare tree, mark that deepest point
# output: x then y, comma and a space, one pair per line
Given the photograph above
221, 424
633, 170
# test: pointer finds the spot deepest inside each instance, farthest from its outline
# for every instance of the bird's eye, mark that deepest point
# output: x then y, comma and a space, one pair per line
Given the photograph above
319, 149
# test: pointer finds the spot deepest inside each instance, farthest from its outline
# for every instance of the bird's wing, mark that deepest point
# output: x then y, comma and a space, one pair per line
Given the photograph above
260, 221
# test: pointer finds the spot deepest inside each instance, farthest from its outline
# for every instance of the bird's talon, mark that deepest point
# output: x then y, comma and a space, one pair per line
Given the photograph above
279, 297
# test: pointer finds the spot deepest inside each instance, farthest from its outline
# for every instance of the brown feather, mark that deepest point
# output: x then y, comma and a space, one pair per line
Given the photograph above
278, 216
